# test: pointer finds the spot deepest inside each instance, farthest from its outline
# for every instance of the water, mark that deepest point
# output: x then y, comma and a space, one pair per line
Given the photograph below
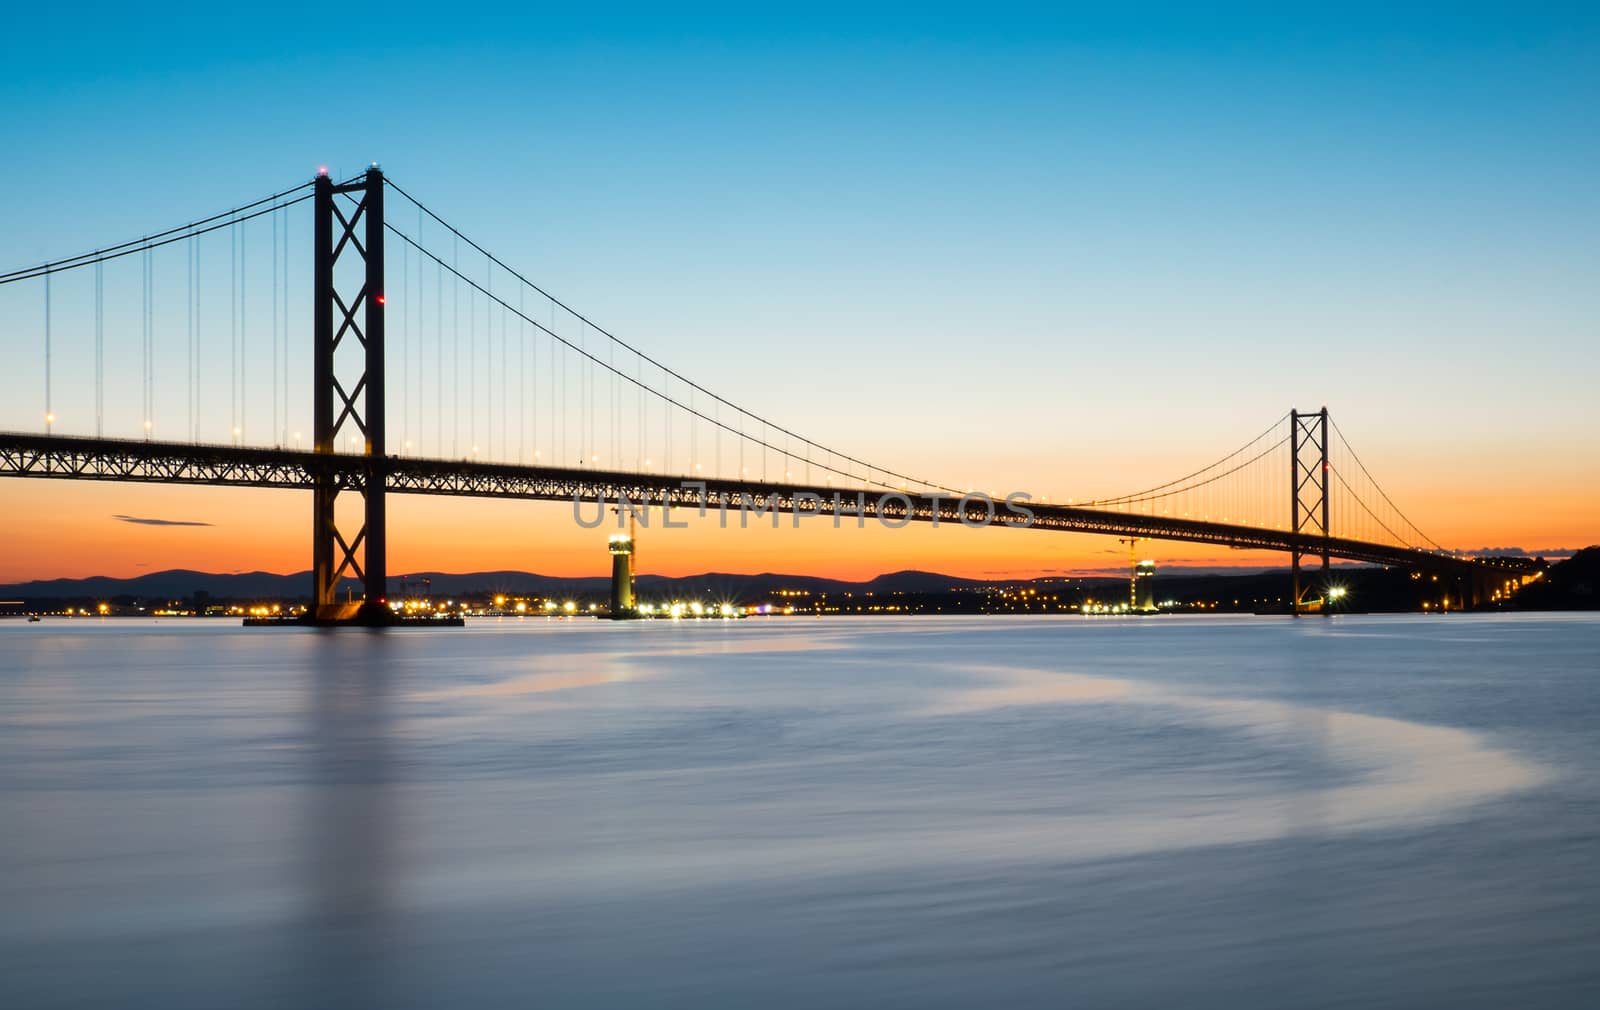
925, 812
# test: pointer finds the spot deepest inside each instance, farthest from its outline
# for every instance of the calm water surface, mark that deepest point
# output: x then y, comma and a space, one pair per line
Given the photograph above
927, 812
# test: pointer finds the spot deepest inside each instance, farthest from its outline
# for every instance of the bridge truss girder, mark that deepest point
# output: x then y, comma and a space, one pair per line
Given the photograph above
72, 458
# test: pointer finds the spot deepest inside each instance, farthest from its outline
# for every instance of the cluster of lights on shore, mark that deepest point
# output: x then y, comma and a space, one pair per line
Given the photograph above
677, 610
503, 607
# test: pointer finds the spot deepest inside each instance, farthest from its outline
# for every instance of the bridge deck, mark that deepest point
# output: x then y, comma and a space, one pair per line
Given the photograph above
78, 458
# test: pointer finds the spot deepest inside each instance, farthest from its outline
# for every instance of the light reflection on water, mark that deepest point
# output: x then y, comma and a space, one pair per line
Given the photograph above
916, 812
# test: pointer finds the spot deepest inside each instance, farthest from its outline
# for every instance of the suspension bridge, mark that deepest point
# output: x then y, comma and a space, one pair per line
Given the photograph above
502, 390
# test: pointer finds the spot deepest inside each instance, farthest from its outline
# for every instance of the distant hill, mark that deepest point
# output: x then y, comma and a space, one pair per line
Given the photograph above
180, 583
175, 584
1573, 584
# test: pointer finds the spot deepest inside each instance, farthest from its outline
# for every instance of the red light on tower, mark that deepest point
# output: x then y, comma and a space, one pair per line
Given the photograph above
380, 299
322, 170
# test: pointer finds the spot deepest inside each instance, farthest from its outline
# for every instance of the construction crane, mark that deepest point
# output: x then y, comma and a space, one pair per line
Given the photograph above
1133, 569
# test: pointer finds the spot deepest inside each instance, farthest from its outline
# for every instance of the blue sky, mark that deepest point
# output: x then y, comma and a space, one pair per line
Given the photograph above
1092, 243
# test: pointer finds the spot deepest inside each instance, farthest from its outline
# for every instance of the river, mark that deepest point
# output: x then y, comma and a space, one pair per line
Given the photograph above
920, 812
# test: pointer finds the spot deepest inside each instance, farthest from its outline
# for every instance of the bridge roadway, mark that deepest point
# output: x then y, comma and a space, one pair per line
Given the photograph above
151, 462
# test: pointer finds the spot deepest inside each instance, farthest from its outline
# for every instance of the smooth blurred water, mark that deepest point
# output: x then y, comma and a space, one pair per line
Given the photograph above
1050, 812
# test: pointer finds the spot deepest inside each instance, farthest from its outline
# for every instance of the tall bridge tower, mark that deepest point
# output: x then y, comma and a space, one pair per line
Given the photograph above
352, 322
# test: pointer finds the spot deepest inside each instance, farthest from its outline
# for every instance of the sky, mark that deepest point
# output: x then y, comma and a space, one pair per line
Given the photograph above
1072, 251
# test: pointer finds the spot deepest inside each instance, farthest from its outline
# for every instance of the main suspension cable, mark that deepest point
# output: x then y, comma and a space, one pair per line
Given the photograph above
1149, 492
584, 320
592, 360
160, 238
1379, 488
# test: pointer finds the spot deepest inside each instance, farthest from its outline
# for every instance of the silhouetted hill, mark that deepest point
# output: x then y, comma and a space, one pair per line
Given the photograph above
176, 583
1573, 584
179, 583
1570, 585
919, 582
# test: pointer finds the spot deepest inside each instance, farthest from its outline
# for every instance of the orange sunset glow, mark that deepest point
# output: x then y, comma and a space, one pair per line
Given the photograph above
261, 530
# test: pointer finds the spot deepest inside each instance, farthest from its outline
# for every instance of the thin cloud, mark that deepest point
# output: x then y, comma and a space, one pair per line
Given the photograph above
1518, 552
145, 521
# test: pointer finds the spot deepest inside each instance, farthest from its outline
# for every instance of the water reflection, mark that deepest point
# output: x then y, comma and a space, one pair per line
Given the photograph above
349, 829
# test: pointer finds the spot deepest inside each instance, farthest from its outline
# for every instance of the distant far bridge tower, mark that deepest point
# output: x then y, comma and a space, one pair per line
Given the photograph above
1308, 502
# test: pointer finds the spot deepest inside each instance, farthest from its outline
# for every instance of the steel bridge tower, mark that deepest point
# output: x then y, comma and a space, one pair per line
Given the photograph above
1308, 497
355, 322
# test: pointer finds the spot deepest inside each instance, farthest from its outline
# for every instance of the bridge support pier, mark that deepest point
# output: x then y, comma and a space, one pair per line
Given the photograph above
1308, 503
353, 322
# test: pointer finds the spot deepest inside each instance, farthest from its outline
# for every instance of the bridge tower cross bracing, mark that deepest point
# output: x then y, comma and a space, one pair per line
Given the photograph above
356, 400
1308, 498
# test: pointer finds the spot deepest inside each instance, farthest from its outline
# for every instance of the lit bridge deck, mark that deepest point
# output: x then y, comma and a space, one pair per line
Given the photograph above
152, 462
